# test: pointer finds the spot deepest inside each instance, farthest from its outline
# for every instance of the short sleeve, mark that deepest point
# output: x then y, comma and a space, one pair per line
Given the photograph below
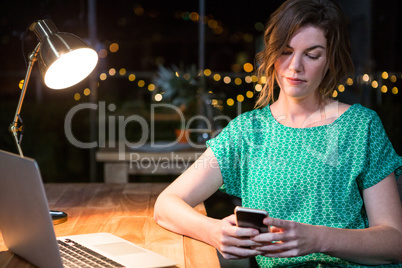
226, 148
381, 158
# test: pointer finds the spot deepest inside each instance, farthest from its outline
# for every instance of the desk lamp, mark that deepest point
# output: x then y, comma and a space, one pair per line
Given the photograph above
64, 60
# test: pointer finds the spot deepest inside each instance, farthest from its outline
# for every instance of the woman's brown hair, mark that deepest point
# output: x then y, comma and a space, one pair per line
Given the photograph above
285, 21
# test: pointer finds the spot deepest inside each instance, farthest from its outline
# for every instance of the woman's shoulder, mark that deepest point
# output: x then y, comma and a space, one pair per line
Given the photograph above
358, 116
341, 108
358, 110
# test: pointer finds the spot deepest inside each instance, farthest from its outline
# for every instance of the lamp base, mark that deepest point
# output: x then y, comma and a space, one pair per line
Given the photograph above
58, 217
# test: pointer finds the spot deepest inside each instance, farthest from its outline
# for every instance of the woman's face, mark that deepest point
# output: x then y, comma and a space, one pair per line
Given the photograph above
303, 64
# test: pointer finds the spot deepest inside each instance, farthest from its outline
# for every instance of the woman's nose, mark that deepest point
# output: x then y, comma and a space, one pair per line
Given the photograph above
296, 64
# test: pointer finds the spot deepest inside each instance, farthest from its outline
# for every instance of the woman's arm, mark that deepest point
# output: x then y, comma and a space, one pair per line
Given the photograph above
174, 210
381, 243
174, 206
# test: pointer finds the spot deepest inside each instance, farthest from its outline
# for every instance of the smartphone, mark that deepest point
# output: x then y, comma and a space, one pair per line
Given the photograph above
251, 218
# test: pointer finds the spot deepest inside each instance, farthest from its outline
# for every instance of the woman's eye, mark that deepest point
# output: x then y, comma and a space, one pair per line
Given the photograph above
313, 57
286, 52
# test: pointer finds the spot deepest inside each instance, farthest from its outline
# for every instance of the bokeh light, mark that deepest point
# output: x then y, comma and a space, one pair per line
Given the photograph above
248, 67
240, 98
112, 71
230, 102
217, 77
131, 77
158, 97
227, 79
87, 92
114, 47
207, 72
122, 71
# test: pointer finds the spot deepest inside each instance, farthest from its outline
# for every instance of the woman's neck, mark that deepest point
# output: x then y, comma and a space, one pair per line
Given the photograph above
301, 113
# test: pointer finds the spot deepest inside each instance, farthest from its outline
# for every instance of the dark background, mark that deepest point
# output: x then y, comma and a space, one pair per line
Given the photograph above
150, 33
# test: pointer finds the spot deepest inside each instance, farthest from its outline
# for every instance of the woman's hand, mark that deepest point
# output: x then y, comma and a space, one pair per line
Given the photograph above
234, 242
287, 239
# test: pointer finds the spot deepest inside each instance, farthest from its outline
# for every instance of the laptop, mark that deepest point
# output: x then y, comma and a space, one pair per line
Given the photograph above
27, 228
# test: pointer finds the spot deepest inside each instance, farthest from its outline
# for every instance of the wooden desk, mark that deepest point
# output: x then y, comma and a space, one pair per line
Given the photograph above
125, 210
119, 165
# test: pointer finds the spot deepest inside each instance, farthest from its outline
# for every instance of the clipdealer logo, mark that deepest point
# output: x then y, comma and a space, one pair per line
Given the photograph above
110, 124
107, 124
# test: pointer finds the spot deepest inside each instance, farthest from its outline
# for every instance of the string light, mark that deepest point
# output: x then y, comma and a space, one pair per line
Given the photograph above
248, 67
217, 27
366, 78
186, 76
122, 71
138, 10
248, 79
151, 87
131, 77
114, 47
194, 16
258, 87
141, 83
102, 53
87, 92
376, 81
21, 84
227, 79
240, 98
112, 71
77, 96
230, 102
217, 77
207, 72
158, 97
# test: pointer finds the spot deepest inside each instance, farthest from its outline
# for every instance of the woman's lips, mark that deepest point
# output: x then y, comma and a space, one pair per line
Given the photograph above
295, 81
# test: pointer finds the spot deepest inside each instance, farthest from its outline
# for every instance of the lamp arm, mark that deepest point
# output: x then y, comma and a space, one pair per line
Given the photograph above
14, 128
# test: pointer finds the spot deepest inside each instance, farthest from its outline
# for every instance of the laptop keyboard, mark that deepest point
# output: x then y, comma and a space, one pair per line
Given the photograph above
74, 255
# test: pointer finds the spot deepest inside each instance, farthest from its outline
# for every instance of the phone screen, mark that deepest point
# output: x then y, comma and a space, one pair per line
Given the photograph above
251, 218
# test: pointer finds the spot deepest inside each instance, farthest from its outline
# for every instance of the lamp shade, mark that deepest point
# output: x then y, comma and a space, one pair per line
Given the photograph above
64, 59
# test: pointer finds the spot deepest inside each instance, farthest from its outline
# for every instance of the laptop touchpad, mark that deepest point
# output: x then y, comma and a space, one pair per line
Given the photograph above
120, 248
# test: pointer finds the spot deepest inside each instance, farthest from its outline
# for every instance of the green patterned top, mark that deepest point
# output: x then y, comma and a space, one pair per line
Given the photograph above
310, 175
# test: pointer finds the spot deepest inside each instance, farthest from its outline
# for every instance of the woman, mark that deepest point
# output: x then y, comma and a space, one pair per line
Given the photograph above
325, 171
